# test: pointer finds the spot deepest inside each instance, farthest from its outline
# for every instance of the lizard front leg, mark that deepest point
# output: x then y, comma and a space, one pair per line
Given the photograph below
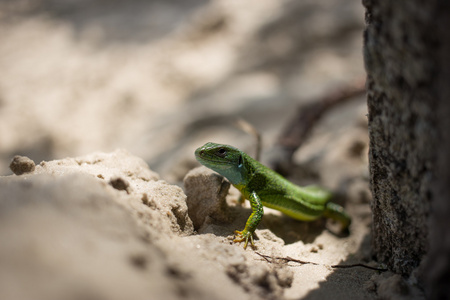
252, 222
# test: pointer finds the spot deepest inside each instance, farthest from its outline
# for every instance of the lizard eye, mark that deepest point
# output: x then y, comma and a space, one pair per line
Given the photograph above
221, 152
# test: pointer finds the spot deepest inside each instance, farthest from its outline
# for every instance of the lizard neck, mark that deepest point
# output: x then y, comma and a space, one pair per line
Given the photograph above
238, 174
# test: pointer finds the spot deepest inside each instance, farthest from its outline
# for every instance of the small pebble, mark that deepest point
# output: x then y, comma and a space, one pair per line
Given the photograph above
22, 164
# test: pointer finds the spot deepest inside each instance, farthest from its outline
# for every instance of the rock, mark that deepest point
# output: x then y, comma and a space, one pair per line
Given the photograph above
164, 206
21, 164
206, 192
68, 238
68, 231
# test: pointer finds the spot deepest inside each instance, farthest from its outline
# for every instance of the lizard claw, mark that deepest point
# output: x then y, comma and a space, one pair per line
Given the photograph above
244, 236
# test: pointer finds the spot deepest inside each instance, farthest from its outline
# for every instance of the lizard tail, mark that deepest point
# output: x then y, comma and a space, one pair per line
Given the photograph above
337, 212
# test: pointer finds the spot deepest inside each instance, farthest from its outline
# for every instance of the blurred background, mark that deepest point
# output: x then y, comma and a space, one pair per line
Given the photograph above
162, 77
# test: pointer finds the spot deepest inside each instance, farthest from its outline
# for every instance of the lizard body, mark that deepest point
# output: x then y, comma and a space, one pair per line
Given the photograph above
264, 187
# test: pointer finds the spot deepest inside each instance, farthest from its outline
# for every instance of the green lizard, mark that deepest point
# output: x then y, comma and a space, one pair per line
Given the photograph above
264, 187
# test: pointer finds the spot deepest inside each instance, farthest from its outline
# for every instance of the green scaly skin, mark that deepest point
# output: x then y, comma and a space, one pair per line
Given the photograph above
264, 187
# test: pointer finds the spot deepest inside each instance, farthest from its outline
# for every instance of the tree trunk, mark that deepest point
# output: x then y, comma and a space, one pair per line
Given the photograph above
436, 272
407, 55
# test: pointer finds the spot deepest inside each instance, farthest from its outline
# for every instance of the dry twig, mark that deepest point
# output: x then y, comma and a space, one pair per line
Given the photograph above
273, 259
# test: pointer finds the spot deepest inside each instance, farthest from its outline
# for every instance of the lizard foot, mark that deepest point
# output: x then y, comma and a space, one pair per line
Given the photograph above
244, 236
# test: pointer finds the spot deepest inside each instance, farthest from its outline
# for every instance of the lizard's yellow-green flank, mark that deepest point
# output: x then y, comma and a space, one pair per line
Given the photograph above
264, 187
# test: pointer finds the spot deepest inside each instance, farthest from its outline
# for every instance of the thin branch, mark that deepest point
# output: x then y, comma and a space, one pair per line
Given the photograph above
359, 265
250, 129
272, 259
297, 130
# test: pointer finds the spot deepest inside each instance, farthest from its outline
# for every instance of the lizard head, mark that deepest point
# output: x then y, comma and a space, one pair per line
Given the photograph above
225, 160
218, 156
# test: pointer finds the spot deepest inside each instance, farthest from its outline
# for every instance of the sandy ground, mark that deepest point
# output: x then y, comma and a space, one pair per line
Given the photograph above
160, 79
81, 79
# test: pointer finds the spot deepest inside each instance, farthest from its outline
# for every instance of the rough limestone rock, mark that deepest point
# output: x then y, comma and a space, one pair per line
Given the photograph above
69, 230
206, 192
131, 176
66, 237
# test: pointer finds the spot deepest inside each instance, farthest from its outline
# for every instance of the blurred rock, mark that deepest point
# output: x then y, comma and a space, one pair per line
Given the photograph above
21, 164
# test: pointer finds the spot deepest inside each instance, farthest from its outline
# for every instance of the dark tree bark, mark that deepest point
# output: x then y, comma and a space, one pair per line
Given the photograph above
407, 55
436, 272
